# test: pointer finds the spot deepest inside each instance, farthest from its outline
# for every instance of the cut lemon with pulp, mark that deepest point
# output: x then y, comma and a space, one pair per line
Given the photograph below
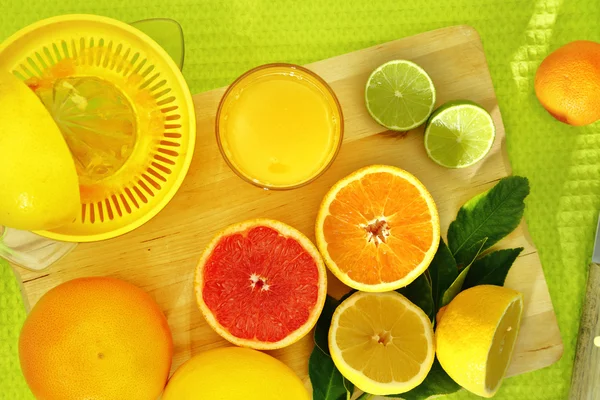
476, 335
381, 342
400, 95
459, 134
378, 229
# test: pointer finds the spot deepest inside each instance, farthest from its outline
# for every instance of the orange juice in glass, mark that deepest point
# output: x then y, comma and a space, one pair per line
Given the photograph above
279, 126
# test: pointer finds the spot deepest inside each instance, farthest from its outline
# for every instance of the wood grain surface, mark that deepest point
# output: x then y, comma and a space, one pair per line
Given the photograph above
161, 256
585, 383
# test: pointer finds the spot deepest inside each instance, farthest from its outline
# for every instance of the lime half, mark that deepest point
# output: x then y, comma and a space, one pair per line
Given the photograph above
400, 95
459, 134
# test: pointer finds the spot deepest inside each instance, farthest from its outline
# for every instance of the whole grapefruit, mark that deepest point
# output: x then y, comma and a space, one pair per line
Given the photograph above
567, 83
96, 338
234, 373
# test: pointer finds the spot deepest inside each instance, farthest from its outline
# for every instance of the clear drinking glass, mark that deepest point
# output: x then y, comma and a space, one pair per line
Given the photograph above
31, 251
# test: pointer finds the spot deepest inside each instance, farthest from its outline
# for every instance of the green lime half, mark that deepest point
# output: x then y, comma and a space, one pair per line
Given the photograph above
459, 134
400, 95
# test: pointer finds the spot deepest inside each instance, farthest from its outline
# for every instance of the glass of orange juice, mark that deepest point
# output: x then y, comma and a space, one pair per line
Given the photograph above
279, 126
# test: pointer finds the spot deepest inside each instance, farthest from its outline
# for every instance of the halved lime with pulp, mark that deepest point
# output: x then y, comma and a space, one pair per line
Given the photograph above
459, 134
400, 95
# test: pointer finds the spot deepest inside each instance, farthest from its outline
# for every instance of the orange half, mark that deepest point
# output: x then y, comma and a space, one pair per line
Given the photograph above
378, 229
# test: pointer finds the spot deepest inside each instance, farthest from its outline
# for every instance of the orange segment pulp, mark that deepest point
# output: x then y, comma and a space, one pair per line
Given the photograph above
378, 229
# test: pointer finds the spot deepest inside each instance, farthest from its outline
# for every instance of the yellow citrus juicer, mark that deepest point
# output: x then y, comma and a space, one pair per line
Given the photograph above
123, 109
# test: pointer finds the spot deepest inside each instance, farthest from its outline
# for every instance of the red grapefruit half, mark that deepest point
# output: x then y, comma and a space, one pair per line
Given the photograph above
261, 284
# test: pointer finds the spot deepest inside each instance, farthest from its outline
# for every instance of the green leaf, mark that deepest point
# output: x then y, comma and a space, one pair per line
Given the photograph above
493, 214
349, 386
473, 252
428, 276
327, 381
492, 268
364, 396
419, 292
437, 383
443, 271
457, 285
468, 255
323, 324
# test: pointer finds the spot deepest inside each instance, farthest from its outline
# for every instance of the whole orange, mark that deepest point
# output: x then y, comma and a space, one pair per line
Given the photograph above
96, 338
567, 83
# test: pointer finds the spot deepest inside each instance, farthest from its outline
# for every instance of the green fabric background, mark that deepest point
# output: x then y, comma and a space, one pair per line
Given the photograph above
224, 39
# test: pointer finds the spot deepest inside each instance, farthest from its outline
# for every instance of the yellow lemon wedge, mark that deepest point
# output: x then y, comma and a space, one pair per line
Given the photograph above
476, 335
38, 180
381, 342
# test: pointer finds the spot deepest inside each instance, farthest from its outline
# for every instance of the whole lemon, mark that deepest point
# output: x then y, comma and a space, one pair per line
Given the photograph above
38, 179
567, 83
96, 338
234, 373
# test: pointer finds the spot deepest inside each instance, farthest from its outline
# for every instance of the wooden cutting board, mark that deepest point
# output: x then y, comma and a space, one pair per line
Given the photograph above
161, 256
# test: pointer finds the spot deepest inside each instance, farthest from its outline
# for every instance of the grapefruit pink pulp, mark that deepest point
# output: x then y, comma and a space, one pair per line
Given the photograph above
261, 284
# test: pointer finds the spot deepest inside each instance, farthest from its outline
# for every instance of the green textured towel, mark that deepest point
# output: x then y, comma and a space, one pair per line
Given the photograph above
225, 38
12, 314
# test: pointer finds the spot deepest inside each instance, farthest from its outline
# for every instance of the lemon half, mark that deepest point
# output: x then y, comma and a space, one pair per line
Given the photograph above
476, 336
381, 342
38, 179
